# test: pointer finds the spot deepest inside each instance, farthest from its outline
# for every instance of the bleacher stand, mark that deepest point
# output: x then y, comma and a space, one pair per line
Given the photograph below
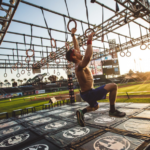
11, 90
24, 89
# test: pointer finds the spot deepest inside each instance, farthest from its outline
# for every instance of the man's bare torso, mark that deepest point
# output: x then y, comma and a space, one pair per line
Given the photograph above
85, 78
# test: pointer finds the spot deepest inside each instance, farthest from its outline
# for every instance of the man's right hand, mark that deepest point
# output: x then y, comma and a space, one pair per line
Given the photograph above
73, 30
90, 37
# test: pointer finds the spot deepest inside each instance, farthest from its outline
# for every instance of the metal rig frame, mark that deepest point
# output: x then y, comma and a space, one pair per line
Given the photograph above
133, 9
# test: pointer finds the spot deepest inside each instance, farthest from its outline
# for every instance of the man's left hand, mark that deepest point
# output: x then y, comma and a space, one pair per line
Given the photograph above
73, 30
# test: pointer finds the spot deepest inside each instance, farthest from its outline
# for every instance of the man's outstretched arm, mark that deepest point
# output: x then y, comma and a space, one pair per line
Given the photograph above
88, 53
75, 42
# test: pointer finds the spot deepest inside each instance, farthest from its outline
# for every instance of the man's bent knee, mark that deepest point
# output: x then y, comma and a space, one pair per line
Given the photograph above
111, 86
114, 85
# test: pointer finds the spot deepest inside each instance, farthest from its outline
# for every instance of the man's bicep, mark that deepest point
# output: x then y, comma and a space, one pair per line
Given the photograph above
77, 47
84, 63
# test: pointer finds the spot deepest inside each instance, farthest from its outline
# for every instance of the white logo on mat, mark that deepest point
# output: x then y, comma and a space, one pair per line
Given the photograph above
1, 121
104, 119
37, 147
43, 120
111, 143
33, 117
7, 124
66, 114
55, 111
75, 106
138, 126
86, 116
14, 140
54, 125
10, 130
102, 109
72, 107
76, 132
43, 110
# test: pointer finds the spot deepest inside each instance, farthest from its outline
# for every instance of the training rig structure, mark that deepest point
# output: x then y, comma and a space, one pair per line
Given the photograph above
55, 56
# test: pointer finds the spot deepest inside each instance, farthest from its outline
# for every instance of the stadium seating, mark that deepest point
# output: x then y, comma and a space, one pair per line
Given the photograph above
11, 90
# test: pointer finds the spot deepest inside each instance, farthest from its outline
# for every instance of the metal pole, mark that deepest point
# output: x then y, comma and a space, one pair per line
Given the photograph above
12, 15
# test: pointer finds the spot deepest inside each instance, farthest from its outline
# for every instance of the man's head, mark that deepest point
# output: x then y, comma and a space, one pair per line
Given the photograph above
73, 55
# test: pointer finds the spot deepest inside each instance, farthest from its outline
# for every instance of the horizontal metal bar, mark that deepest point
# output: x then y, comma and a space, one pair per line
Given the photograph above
9, 5
11, 66
18, 55
2, 9
15, 60
4, 19
2, 31
31, 70
32, 44
27, 44
23, 64
18, 21
34, 36
10, 49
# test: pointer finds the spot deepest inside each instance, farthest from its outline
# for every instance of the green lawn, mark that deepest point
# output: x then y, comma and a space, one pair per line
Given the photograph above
37, 95
140, 89
125, 100
25, 101
132, 83
9, 106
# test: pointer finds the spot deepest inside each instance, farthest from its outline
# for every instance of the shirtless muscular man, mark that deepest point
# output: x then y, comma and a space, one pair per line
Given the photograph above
85, 79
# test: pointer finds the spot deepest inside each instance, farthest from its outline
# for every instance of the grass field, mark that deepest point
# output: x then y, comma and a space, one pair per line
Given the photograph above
132, 83
125, 100
25, 101
139, 89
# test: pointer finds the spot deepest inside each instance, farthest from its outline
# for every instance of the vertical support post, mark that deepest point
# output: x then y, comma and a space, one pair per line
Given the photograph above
128, 95
71, 90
